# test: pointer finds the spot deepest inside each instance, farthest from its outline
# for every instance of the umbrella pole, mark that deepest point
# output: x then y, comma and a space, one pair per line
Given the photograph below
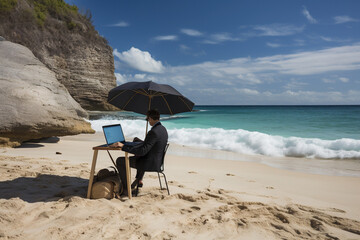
147, 123
147, 120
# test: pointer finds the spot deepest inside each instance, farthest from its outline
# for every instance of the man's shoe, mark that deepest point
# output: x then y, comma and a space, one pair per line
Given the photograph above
135, 192
137, 183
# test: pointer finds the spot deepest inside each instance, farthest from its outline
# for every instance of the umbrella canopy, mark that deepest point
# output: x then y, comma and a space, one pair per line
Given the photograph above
140, 97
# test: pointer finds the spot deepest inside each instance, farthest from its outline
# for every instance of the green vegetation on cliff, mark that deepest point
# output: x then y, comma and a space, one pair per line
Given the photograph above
41, 9
50, 24
65, 40
7, 5
55, 8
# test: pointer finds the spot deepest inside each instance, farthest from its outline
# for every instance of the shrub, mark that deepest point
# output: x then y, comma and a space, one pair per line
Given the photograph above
27, 16
55, 8
7, 5
71, 25
40, 12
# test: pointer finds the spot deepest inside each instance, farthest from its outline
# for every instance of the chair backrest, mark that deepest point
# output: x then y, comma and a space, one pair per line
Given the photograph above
163, 157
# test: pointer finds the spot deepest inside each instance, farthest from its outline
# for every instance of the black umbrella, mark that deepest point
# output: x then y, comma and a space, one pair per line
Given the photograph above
140, 97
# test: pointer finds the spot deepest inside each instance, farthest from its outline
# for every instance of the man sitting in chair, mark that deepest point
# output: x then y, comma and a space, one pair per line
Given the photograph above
148, 154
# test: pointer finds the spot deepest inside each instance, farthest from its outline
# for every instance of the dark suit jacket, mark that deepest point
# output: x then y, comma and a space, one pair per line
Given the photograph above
151, 151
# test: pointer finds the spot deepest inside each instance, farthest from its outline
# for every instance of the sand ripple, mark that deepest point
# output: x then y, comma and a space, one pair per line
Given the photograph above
44, 199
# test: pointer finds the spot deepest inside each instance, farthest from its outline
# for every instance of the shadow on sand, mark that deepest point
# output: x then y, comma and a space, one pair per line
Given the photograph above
43, 188
36, 143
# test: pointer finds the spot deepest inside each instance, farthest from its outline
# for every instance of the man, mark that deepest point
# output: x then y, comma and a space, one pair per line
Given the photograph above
148, 154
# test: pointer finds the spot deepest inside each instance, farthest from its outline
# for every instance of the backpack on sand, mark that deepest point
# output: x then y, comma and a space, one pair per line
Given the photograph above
107, 185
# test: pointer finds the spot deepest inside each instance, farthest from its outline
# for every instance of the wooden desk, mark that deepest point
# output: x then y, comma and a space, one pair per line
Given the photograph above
92, 171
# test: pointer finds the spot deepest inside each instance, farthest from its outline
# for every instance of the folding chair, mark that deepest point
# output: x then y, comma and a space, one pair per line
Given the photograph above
161, 170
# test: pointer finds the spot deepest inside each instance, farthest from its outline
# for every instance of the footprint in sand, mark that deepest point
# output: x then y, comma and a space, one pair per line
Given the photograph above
230, 174
269, 187
183, 211
195, 208
317, 225
242, 207
192, 172
241, 222
337, 210
282, 217
222, 191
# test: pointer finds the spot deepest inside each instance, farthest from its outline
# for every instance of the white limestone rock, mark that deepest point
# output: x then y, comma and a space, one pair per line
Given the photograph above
33, 104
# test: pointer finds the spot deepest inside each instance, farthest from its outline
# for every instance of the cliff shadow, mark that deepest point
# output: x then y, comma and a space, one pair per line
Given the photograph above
43, 188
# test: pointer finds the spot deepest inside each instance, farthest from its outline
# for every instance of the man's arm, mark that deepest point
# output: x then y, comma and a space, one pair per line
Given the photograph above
144, 148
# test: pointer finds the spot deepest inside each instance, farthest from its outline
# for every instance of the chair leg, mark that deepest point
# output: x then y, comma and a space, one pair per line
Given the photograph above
159, 181
167, 187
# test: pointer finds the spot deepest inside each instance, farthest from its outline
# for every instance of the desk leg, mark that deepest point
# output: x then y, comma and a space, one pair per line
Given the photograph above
128, 174
92, 171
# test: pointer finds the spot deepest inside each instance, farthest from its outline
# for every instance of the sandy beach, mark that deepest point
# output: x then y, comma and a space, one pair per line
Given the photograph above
43, 188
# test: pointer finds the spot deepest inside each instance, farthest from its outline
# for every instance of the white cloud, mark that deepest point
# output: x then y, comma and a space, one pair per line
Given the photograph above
344, 19
184, 47
120, 79
140, 60
247, 91
314, 97
315, 62
273, 45
235, 80
277, 30
220, 37
166, 38
120, 24
306, 13
140, 76
249, 96
343, 58
327, 80
304, 63
265, 70
191, 32
344, 79
249, 78
329, 39
272, 30
294, 84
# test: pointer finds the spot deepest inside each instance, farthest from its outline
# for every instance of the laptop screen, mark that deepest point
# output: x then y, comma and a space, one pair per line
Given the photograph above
113, 134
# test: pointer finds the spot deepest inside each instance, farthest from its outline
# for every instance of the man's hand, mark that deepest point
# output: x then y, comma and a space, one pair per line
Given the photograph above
117, 145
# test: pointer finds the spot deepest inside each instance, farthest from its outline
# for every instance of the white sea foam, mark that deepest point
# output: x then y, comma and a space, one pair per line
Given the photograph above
247, 142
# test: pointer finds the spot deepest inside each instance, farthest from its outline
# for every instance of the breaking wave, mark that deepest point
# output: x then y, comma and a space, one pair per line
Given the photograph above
246, 142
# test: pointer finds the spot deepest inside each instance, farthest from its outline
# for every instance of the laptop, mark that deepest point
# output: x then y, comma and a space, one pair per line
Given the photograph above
114, 133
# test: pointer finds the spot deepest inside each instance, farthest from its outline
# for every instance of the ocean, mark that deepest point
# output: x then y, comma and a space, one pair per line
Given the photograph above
317, 132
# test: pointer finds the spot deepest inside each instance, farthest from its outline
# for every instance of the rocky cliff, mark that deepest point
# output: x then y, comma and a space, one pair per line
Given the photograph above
33, 104
67, 43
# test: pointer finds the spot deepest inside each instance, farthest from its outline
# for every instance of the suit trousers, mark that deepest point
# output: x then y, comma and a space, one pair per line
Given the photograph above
120, 163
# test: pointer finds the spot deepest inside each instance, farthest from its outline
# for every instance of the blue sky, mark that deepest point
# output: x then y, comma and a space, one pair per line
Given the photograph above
235, 51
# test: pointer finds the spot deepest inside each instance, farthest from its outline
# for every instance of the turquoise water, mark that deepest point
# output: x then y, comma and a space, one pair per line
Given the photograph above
325, 132
324, 122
